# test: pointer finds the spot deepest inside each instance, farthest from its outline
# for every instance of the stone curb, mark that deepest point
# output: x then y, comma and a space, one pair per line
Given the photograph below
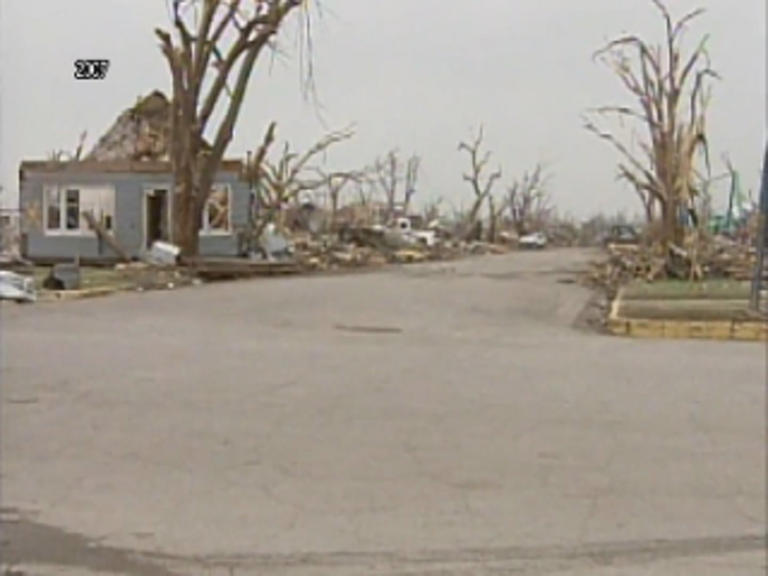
742, 330
63, 295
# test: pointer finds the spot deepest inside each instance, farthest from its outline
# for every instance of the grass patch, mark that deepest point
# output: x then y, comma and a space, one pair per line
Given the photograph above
682, 290
695, 310
92, 278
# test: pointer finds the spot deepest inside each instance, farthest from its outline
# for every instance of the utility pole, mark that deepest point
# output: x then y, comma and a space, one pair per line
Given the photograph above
757, 279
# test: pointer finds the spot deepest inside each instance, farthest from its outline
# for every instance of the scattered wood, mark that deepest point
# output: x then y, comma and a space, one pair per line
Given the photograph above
106, 237
716, 258
237, 268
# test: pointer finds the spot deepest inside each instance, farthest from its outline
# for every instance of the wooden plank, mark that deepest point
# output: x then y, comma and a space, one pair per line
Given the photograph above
106, 237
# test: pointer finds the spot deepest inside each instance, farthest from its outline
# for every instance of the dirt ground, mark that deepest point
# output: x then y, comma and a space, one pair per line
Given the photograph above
446, 418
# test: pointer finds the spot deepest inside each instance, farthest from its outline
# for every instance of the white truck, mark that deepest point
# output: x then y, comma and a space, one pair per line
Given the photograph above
426, 237
536, 241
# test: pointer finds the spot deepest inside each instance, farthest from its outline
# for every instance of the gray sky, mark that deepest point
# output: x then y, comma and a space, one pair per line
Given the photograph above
414, 74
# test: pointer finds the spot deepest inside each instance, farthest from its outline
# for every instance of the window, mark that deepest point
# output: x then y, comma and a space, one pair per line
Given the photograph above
64, 209
100, 202
73, 209
216, 214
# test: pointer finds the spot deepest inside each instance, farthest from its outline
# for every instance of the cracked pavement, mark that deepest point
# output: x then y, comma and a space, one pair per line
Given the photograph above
459, 424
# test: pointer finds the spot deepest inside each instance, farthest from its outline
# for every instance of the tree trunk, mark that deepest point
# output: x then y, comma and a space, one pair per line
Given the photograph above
475, 210
407, 203
390, 208
492, 218
671, 231
187, 218
650, 212
334, 210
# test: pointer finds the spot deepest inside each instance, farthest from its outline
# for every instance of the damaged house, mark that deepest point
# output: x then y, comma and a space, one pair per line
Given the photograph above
123, 188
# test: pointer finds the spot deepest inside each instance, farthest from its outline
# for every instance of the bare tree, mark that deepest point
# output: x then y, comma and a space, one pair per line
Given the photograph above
214, 42
528, 201
282, 181
482, 186
432, 210
495, 210
366, 192
671, 92
390, 175
335, 183
411, 180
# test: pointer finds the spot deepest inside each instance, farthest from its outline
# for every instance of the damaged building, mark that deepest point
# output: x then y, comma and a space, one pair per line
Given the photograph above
124, 188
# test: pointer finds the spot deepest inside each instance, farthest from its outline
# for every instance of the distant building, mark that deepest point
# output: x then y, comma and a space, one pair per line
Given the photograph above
133, 201
126, 184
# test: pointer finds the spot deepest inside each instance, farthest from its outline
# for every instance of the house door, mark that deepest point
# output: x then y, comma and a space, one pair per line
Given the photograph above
156, 211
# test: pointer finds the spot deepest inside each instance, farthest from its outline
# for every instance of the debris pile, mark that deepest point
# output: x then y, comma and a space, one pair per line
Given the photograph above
17, 287
375, 245
140, 133
143, 276
718, 257
730, 259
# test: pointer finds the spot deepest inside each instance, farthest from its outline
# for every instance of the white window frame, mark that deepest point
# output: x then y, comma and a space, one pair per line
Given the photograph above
204, 230
62, 191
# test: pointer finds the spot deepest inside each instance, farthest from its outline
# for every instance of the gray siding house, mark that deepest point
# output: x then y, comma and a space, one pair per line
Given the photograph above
132, 200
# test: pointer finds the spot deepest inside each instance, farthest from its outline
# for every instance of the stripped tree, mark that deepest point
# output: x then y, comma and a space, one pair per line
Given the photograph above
528, 201
431, 211
412, 169
335, 183
390, 175
671, 92
280, 182
481, 185
496, 209
214, 43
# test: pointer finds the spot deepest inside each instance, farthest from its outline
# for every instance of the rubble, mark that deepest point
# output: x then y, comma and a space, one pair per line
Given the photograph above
718, 257
274, 245
376, 245
140, 133
14, 262
163, 254
142, 276
17, 287
408, 256
236, 268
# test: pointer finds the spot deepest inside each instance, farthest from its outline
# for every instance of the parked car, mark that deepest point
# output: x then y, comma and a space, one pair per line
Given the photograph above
537, 240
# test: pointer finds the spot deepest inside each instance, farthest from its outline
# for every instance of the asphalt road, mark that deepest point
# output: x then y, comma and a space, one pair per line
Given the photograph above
437, 419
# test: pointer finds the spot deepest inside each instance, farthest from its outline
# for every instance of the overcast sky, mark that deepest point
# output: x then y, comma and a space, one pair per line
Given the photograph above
415, 74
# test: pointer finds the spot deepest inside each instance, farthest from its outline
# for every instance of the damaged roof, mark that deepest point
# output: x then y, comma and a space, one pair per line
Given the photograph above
140, 133
137, 142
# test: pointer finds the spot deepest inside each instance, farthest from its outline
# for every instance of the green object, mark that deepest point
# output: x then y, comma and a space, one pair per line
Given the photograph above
761, 238
721, 224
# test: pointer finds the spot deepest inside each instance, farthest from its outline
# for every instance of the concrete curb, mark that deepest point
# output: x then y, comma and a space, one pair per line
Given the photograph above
742, 330
63, 295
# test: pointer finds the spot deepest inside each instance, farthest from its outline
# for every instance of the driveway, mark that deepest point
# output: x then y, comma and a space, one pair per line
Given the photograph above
436, 419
